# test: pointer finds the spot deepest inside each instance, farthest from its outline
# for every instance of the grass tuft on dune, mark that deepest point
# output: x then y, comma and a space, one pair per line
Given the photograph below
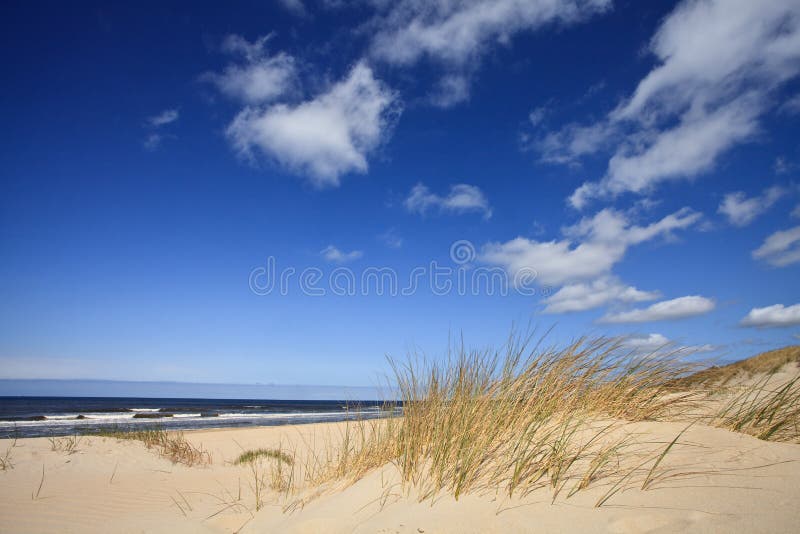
764, 363
512, 420
253, 454
528, 417
171, 445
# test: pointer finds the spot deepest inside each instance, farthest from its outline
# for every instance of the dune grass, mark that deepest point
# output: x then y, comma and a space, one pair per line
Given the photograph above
5, 459
6, 462
253, 454
67, 444
278, 475
766, 411
513, 420
767, 362
767, 408
170, 445
522, 418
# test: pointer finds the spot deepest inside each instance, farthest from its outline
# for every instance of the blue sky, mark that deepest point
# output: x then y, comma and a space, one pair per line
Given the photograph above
630, 167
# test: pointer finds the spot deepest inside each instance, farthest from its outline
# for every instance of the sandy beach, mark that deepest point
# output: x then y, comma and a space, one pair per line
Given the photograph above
406, 266
713, 480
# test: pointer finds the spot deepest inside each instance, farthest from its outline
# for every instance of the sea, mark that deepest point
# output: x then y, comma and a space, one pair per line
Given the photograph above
60, 416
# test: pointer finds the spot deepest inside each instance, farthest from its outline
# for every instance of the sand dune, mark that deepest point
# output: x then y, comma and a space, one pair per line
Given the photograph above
712, 481
677, 471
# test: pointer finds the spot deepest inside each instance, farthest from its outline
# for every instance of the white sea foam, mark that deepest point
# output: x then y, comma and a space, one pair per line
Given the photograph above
67, 421
108, 416
289, 415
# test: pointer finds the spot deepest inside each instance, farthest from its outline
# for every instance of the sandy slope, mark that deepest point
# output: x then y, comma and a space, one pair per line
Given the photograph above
713, 481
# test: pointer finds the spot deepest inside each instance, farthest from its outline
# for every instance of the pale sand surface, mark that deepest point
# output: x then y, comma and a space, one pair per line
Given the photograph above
725, 482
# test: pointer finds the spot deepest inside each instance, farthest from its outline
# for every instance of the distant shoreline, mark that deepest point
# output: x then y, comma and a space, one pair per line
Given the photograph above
43, 387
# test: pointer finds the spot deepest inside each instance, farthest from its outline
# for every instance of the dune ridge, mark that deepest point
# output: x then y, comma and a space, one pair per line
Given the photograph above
526, 439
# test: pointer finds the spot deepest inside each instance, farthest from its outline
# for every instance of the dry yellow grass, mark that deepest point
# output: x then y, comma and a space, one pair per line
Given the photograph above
766, 362
513, 420
526, 417
254, 454
523, 418
171, 445
766, 411
67, 444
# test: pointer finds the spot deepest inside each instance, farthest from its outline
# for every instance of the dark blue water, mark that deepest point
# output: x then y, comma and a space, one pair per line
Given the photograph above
54, 416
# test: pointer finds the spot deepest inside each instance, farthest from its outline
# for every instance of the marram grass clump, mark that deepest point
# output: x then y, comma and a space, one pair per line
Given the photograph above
170, 445
513, 420
767, 409
253, 454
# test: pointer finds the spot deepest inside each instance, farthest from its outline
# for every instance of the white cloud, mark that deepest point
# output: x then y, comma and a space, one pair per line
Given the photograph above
796, 212
792, 105
651, 343
782, 165
391, 239
259, 78
462, 198
585, 296
567, 145
686, 150
537, 115
334, 255
155, 124
666, 310
325, 137
458, 34
741, 210
646, 343
295, 7
153, 141
683, 151
165, 117
237, 45
451, 89
589, 250
781, 248
773, 316
718, 65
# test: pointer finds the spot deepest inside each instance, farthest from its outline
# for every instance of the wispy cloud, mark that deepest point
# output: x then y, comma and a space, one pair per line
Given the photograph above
650, 343
155, 124
666, 310
457, 35
742, 210
462, 198
335, 255
782, 165
391, 239
153, 141
257, 77
460, 32
701, 99
451, 89
791, 106
165, 117
781, 248
296, 7
773, 316
588, 250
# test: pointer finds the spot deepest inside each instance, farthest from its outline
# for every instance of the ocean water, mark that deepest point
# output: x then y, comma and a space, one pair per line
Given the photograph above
59, 416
